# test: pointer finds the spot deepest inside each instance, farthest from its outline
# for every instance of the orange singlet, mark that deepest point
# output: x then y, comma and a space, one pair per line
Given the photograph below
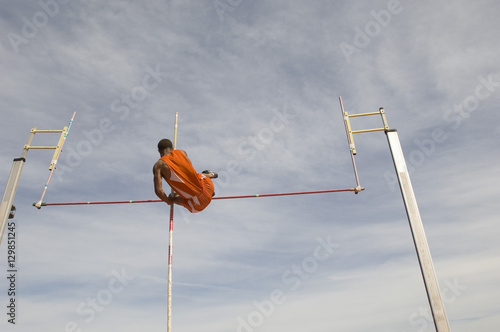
196, 189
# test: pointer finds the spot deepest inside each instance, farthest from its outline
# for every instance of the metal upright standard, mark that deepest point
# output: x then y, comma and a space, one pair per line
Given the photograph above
419, 238
170, 243
11, 187
417, 229
15, 173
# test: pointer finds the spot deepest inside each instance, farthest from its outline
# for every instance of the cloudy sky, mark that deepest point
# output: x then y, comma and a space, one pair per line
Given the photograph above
256, 86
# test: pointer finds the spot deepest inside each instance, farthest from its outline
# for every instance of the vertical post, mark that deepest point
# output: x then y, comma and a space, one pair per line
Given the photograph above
57, 153
171, 237
12, 182
419, 238
350, 140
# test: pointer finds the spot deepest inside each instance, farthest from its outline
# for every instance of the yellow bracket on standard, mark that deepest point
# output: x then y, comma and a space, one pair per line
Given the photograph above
57, 148
351, 132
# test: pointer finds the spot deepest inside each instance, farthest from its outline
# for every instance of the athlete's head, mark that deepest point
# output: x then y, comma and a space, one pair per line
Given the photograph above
165, 144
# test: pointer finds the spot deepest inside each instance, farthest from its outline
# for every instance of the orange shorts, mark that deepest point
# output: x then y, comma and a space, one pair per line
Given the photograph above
200, 202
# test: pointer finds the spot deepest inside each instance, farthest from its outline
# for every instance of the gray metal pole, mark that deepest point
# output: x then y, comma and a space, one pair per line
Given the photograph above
419, 238
11, 187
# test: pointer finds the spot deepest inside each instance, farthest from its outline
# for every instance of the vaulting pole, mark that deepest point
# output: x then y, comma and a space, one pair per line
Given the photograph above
171, 237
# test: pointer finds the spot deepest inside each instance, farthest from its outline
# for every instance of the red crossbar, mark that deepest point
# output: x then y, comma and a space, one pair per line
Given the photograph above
221, 197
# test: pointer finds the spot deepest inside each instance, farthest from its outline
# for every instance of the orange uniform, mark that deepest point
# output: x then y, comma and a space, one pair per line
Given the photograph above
196, 189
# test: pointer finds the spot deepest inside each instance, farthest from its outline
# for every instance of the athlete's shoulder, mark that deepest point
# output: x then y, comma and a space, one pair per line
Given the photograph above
159, 164
178, 152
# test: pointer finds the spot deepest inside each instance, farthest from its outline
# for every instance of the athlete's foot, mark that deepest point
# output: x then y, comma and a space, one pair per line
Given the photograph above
210, 174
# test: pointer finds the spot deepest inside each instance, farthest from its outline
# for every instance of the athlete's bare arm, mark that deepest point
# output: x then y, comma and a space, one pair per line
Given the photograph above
162, 171
159, 169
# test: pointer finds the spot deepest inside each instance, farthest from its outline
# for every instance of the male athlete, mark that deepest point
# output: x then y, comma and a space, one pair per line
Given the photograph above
192, 190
